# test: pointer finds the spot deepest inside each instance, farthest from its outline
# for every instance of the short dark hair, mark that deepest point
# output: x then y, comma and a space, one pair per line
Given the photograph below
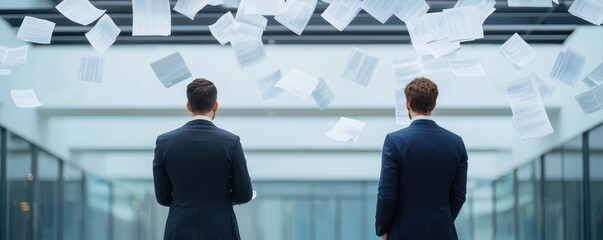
422, 94
202, 94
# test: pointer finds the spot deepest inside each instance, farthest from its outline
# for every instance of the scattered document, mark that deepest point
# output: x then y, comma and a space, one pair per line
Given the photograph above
249, 50
91, 69
36, 30
589, 10
297, 15
264, 7
467, 68
568, 66
435, 65
253, 19
360, 67
517, 51
171, 69
267, 88
190, 8
341, 13
247, 29
322, 94
530, 3
381, 10
409, 10
529, 115
25, 98
406, 71
299, 83
215, 2
464, 24
103, 34
11, 57
428, 28
595, 77
79, 11
402, 117
222, 29
346, 130
545, 87
151, 18
5, 72
484, 7
592, 100
443, 47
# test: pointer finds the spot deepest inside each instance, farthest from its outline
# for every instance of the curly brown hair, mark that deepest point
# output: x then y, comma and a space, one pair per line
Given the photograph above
422, 94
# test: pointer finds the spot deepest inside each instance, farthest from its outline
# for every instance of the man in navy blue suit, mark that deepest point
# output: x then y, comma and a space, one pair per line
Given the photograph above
200, 172
423, 174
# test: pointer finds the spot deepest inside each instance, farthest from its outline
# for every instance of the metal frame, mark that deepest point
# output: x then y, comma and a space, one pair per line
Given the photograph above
3, 182
586, 185
515, 204
541, 205
34, 193
61, 200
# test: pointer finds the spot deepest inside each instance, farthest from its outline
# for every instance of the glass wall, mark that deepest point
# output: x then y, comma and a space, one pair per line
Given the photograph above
595, 140
19, 189
73, 203
526, 202
503, 206
48, 196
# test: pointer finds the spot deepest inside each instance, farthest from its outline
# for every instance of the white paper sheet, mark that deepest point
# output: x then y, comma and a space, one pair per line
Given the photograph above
435, 65
25, 98
341, 13
467, 68
443, 47
545, 87
299, 83
264, 7
322, 94
406, 71
568, 66
402, 117
428, 28
171, 69
215, 2
247, 29
222, 29
409, 10
464, 24
5, 72
517, 51
595, 77
248, 50
91, 69
267, 88
484, 7
297, 15
36, 30
11, 57
190, 8
529, 115
346, 130
151, 18
589, 10
253, 19
79, 11
103, 34
360, 67
530, 3
592, 100
381, 10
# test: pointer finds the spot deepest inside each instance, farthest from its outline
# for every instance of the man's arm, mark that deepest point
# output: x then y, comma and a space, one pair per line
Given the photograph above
163, 185
388, 189
240, 185
458, 189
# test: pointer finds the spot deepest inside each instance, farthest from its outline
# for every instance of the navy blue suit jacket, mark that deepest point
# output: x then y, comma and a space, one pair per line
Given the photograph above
200, 172
423, 183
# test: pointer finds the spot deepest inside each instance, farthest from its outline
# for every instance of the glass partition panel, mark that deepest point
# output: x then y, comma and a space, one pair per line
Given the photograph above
19, 189
572, 187
503, 189
482, 208
526, 202
553, 196
98, 215
73, 202
48, 180
596, 182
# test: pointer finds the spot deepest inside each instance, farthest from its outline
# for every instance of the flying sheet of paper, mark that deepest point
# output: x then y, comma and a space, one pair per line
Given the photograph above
222, 29
381, 10
231, 3
103, 34
360, 67
171, 69
346, 130
401, 110
545, 87
428, 28
443, 47
299, 83
484, 7
341, 13
267, 88
589, 10
529, 115
151, 18
595, 77
409, 10
36, 30
517, 51
467, 68
568, 66
592, 100
464, 24
215, 2
405, 71
11, 57
247, 29
91, 69
5, 72
253, 19
435, 65
322, 94
190, 8
530, 3
264, 7
25, 98
79, 11
297, 15
249, 50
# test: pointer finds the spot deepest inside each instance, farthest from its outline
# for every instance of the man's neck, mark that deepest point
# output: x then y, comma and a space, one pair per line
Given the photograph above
414, 115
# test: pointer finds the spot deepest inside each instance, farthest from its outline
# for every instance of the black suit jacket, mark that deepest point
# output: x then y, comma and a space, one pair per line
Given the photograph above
423, 183
200, 172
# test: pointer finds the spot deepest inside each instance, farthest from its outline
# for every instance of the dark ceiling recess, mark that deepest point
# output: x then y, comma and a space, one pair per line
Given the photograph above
535, 25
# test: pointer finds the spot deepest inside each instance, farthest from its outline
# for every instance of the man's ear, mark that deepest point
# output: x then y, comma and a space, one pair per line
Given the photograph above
215, 107
188, 106
408, 105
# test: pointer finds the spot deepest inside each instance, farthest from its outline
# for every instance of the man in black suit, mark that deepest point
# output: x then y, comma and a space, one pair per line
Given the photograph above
423, 174
200, 172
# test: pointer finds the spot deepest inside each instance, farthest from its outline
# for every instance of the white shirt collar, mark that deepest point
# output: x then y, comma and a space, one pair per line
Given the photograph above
201, 117
422, 117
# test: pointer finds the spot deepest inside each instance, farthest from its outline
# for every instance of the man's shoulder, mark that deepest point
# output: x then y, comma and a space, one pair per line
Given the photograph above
410, 131
216, 132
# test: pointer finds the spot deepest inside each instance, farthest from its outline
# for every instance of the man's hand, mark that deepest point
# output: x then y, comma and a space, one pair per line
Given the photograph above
384, 236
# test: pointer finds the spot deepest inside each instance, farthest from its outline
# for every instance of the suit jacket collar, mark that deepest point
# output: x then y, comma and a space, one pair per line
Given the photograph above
423, 122
196, 122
